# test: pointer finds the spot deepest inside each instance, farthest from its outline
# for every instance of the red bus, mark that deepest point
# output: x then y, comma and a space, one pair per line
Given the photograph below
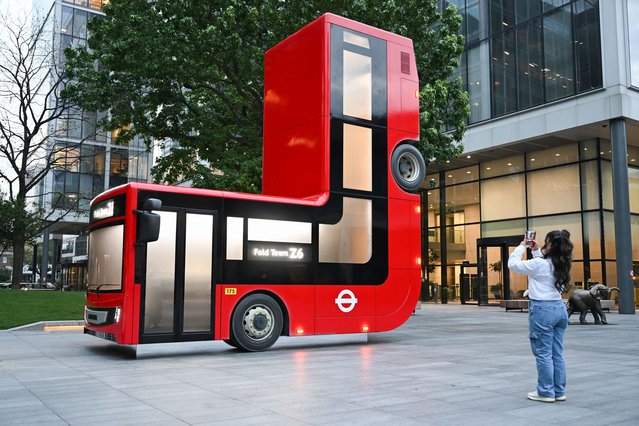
331, 246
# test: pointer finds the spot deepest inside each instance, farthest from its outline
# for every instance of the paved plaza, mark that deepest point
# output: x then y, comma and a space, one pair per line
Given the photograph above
448, 365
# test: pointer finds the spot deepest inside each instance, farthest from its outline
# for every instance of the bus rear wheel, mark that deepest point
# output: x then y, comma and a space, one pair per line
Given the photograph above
256, 323
408, 167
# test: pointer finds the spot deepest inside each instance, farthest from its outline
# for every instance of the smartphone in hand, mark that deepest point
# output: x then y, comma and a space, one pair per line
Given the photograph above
530, 237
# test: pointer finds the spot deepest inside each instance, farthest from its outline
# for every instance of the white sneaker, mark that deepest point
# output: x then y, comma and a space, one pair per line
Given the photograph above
560, 398
536, 397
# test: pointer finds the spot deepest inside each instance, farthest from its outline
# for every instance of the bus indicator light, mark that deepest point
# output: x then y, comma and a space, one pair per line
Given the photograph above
230, 291
300, 331
365, 328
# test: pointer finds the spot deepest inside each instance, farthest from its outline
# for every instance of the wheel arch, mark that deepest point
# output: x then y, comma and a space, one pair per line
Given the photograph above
285, 313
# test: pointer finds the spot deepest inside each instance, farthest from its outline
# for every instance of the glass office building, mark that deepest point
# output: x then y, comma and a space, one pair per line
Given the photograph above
85, 161
554, 103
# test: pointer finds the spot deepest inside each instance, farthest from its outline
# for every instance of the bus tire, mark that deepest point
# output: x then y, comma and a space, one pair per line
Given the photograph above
230, 342
408, 167
256, 323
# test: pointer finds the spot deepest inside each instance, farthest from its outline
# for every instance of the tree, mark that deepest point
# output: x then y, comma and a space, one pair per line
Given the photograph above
30, 94
192, 72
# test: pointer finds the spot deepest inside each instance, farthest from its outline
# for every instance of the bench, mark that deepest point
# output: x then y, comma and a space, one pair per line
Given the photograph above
522, 304
510, 304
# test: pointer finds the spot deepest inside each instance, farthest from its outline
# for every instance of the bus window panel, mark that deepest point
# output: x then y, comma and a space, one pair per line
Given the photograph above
197, 272
279, 231
358, 158
350, 239
105, 258
234, 238
358, 83
356, 39
160, 278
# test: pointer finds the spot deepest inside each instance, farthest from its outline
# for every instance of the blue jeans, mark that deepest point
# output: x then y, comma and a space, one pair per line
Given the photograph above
547, 322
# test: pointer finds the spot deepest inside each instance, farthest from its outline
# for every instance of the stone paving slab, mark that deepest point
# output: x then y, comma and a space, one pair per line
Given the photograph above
448, 365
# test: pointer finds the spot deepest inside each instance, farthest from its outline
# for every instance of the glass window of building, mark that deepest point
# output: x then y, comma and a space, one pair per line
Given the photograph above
592, 234
552, 4
606, 185
119, 167
633, 38
502, 166
590, 194
504, 73
554, 190
555, 156
503, 198
504, 227
530, 52
570, 222
558, 49
462, 203
466, 174
633, 182
478, 82
588, 150
526, 10
587, 45
529, 63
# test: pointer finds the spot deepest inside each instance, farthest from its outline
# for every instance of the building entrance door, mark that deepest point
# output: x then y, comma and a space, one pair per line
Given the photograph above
493, 275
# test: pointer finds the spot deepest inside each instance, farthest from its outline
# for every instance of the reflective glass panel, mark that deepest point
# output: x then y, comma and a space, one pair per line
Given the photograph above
606, 185
503, 228
281, 231
555, 156
432, 181
502, 166
234, 238
633, 182
634, 227
350, 239
198, 266
590, 194
587, 45
609, 235
432, 207
462, 203
570, 222
633, 37
466, 174
504, 73
105, 258
529, 63
592, 234
357, 85
503, 198
479, 82
554, 190
611, 274
358, 158
588, 149
461, 243
558, 53
160, 278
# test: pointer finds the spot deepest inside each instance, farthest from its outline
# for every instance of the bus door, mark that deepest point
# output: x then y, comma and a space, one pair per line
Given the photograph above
177, 291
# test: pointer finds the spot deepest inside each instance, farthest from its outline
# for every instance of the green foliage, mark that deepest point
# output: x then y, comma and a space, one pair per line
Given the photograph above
5, 275
20, 225
26, 307
192, 71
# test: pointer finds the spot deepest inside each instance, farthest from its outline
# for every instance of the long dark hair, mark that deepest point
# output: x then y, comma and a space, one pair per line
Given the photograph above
559, 251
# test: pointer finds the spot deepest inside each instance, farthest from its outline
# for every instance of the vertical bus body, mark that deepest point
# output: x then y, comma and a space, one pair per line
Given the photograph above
331, 246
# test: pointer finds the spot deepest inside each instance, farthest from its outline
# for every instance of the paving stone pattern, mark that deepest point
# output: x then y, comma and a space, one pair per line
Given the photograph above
448, 365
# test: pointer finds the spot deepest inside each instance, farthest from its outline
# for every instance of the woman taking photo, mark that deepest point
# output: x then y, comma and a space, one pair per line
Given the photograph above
548, 277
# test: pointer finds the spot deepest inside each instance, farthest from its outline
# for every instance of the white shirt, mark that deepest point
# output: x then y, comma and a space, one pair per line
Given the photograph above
541, 281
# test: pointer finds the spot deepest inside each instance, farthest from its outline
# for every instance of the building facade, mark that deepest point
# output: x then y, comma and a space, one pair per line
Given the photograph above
552, 143
86, 162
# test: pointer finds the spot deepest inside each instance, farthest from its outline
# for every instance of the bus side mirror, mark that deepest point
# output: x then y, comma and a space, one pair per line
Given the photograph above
148, 222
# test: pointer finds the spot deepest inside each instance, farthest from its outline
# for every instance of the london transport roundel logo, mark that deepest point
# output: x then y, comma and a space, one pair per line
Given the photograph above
346, 300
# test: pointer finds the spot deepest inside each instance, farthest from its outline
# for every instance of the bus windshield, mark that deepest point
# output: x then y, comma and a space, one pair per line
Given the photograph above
105, 258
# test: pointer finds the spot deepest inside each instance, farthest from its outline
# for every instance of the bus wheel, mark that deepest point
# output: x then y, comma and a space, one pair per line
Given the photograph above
408, 167
256, 323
